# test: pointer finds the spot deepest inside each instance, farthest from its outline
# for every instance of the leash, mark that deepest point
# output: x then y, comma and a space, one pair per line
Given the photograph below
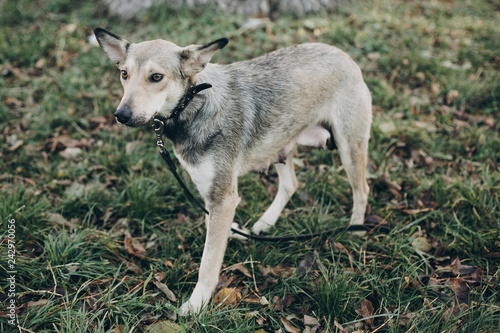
159, 126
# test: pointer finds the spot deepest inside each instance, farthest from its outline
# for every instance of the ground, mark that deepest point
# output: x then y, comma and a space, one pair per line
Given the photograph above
102, 239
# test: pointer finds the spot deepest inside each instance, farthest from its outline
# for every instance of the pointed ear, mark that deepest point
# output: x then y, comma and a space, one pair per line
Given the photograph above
114, 46
194, 58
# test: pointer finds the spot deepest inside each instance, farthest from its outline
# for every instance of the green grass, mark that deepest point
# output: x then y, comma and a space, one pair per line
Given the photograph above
94, 232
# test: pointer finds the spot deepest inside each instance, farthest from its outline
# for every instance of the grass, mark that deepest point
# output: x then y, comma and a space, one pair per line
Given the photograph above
96, 232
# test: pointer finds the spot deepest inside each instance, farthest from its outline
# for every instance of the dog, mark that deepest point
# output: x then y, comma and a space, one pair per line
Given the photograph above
254, 115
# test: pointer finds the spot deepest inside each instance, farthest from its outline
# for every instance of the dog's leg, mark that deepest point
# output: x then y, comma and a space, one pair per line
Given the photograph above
353, 154
219, 224
287, 186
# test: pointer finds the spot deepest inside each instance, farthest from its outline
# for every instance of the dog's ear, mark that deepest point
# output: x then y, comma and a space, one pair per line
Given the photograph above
194, 58
114, 46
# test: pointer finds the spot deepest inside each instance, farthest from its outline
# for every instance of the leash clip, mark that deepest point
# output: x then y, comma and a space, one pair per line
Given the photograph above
158, 127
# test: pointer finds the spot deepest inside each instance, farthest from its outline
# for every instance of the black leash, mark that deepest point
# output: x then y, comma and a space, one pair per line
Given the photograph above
369, 228
159, 125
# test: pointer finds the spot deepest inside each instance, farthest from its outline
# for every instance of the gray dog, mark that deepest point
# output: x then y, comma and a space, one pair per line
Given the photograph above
254, 115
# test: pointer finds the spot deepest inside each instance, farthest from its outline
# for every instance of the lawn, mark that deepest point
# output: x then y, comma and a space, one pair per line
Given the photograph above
97, 236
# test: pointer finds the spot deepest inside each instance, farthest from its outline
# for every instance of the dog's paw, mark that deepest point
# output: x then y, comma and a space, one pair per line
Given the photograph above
261, 227
234, 235
189, 309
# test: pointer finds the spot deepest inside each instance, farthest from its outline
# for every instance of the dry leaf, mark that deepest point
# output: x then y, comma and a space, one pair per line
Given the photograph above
71, 153
133, 246
228, 296
339, 327
163, 287
451, 96
263, 301
308, 264
239, 267
138, 247
310, 321
459, 286
58, 219
251, 298
288, 326
159, 276
421, 244
458, 269
366, 311
41, 302
281, 271
283, 303
164, 327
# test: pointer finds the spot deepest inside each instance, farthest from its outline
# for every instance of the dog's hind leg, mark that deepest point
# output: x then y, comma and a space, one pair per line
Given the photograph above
353, 150
287, 186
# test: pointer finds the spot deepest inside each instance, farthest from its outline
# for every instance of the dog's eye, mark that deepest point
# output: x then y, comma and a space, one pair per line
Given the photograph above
124, 75
157, 77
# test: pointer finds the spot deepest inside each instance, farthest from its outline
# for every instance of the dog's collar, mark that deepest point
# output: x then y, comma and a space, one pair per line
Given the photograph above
188, 96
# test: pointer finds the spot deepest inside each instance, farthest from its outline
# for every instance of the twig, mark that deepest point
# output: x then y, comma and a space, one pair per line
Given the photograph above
54, 277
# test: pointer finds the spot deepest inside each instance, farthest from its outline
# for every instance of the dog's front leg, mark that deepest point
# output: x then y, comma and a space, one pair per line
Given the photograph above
219, 224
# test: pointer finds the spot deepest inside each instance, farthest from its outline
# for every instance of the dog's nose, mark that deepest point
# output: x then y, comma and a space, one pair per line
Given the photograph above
123, 115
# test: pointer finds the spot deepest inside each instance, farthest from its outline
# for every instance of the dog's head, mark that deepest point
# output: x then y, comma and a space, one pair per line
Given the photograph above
154, 74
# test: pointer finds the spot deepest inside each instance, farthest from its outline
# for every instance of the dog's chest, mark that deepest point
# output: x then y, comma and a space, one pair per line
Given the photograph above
202, 174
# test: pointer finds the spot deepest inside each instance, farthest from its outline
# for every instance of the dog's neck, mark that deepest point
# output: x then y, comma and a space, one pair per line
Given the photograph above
188, 96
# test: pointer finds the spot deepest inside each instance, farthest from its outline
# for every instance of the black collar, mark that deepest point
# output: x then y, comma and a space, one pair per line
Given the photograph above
188, 96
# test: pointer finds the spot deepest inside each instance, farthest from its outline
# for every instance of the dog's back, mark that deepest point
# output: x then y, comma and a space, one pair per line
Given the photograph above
273, 99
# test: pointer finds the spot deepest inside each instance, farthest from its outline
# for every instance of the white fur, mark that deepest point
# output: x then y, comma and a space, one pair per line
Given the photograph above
202, 174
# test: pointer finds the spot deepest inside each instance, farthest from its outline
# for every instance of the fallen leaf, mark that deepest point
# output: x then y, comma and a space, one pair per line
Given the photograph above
56, 218
71, 153
421, 244
133, 246
227, 296
16, 145
164, 327
73, 268
288, 326
239, 267
159, 276
339, 327
41, 302
366, 311
405, 319
263, 301
138, 247
281, 271
458, 269
451, 96
310, 321
64, 141
308, 264
280, 305
459, 286
251, 298
455, 311
163, 287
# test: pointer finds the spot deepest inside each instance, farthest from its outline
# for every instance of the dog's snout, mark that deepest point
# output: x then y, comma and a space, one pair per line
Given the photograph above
123, 115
